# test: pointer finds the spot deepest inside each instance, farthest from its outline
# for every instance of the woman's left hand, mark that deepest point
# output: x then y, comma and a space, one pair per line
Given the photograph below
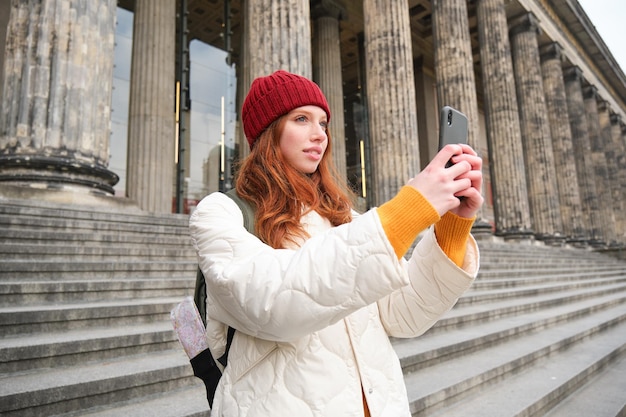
471, 198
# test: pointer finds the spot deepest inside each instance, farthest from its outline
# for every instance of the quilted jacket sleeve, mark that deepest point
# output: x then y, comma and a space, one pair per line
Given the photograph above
436, 283
284, 294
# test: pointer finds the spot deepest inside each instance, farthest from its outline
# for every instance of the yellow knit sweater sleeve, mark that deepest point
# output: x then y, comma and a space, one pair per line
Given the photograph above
409, 213
452, 233
404, 217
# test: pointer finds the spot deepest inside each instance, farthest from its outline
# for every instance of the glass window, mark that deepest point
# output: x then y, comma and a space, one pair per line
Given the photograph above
212, 122
120, 97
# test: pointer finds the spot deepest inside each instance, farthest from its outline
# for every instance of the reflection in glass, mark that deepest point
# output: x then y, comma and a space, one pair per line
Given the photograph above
120, 97
212, 117
212, 123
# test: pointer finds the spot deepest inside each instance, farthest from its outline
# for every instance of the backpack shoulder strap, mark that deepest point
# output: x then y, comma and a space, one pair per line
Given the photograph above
246, 209
199, 294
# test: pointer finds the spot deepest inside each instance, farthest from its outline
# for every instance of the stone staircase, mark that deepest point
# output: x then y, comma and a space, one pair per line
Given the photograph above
85, 296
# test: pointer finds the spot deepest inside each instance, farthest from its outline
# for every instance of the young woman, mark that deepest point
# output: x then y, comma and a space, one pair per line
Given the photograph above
315, 295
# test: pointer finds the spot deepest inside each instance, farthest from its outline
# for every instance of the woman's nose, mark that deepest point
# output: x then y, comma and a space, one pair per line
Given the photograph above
319, 133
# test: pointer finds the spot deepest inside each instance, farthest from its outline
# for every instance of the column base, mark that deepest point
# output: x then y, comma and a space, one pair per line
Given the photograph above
551, 240
518, 235
56, 172
482, 229
577, 241
37, 195
597, 244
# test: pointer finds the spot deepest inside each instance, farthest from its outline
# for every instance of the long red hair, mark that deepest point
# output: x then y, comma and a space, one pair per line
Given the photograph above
280, 192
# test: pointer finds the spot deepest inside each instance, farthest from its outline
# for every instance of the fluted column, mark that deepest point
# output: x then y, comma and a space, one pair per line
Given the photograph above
390, 96
454, 68
619, 192
454, 64
616, 159
55, 116
562, 146
5, 13
151, 120
599, 135
541, 175
327, 73
510, 194
278, 36
582, 153
621, 153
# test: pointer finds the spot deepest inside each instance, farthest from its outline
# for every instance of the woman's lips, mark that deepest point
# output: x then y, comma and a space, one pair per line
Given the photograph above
314, 152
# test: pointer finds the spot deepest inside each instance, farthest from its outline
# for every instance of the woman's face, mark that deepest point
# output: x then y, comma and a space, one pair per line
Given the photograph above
304, 140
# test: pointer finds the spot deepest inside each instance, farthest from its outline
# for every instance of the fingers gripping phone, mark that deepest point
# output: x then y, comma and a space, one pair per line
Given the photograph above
452, 127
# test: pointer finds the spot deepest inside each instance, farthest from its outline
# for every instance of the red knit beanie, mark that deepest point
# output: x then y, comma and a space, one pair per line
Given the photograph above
275, 95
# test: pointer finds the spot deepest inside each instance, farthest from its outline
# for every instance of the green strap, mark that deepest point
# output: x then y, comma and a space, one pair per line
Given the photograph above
199, 294
246, 209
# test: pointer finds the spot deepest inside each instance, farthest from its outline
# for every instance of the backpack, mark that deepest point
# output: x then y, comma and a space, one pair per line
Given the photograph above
199, 295
204, 366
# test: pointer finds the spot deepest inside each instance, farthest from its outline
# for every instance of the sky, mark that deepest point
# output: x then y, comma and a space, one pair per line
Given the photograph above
609, 17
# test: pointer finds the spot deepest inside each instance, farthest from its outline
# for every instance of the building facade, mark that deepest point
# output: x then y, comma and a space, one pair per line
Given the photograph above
139, 100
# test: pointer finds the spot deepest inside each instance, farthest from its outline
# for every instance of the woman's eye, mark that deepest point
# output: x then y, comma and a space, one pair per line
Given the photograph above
300, 119
324, 125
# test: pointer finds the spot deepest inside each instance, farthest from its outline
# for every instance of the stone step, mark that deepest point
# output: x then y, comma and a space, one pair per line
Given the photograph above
488, 264
88, 252
200, 400
41, 270
474, 296
435, 347
65, 237
188, 402
25, 212
600, 396
503, 252
598, 337
54, 292
503, 281
463, 315
18, 320
528, 272
68, 348
85, 296
537, 389
46, 392
66, 221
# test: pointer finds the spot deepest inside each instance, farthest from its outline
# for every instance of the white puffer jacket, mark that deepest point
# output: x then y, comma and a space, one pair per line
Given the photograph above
313, 323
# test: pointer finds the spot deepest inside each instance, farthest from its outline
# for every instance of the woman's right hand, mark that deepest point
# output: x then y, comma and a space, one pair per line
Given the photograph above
440, 185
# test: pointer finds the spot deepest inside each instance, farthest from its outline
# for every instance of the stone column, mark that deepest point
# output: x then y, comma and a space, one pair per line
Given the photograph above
510, 194
582, 152
598, 121
540, 171
620, 131
278, 36
390, 96
562, 146
5, 13
55, 116
327, 73
454, 69
619, 193
151, 121
454, 64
